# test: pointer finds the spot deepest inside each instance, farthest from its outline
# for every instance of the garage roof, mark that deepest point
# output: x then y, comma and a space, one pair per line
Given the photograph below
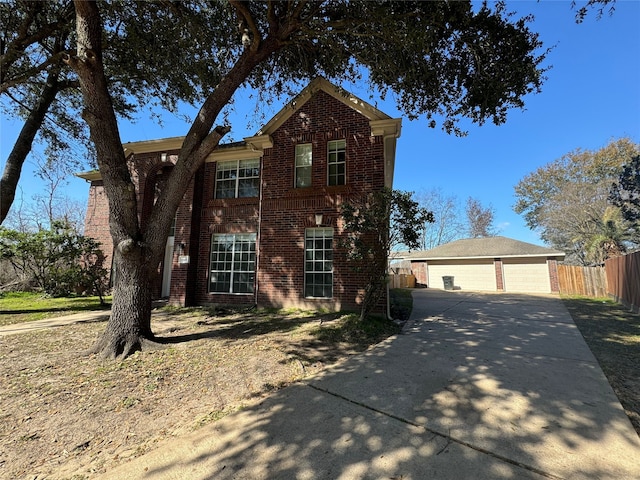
486, 247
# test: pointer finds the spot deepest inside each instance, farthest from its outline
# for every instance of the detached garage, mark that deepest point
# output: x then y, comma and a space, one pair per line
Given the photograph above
488, 264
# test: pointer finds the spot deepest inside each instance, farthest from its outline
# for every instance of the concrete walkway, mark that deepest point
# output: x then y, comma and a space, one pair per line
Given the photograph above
478, 386
83, 317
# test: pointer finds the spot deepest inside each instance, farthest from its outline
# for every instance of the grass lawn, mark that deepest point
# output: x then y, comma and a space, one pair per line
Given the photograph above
17, 307
613, 335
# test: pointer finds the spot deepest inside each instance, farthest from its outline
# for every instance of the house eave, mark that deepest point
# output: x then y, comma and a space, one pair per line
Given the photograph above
556, 255
89, 176
149, 146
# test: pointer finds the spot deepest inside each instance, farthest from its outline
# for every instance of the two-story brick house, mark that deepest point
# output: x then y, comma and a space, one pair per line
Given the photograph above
260, 222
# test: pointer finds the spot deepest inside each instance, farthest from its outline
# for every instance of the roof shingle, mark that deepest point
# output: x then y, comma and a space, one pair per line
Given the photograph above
486, 247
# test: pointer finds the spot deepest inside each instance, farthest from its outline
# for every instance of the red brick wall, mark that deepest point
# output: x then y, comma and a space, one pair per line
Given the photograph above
96, 220
499, 274
182, 247
553, 274
419, 270
287, 211
145, 174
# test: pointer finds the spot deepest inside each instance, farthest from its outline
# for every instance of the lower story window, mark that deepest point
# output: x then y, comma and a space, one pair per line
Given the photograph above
233, 263
318, 265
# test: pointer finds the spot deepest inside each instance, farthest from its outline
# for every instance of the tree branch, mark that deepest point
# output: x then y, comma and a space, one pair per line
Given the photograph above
244, 12
32, 72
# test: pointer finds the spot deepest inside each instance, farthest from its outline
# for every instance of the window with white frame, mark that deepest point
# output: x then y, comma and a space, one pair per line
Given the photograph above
337, 162
238, 179
304, 160
318, 265
233, 263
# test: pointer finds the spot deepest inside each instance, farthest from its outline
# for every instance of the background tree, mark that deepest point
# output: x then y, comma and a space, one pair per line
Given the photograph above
567, 201
444, 61
34, 38
479, 219
625, 193
40, 210
56, 261
447, 225
374, 225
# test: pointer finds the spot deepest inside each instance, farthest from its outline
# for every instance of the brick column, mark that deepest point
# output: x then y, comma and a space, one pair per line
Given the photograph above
553, 275
497, 262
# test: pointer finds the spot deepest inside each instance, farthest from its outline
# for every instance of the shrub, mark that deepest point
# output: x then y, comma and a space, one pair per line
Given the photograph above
58, 261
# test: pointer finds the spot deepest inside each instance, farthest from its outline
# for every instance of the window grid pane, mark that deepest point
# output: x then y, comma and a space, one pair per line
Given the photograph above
237, 179
233, 260
337, 162
319, 262
304, 160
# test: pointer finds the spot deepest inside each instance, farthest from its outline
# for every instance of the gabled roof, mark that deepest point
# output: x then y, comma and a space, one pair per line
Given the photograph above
381, 123
486, 247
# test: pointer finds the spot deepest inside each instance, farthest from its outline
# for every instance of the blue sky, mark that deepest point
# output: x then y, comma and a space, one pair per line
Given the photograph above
592, 96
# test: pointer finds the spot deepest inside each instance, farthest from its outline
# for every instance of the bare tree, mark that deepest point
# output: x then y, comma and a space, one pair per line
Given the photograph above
479, 219
448, 224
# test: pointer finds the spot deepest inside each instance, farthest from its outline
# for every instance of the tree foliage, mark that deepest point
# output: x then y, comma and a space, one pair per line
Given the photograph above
441, 60
373, 226
599, 5
37, 86
567, 201
57, 261
625, 193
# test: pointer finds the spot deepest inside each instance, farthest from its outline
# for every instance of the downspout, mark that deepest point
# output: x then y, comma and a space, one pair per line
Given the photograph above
259, 143
259, 236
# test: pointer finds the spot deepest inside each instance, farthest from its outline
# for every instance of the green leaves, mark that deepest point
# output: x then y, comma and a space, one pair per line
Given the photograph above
57, 261
625, 192
373, 226
568, 202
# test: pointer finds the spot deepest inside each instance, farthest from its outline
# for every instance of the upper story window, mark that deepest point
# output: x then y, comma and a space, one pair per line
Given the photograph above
337, 162
304, 160
238, 179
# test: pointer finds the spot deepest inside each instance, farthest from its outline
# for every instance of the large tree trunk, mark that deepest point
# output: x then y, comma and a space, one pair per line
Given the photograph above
129, 327
138, 251
24, 142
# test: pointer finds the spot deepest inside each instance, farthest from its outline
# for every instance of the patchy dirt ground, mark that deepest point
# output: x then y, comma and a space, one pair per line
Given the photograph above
67, 416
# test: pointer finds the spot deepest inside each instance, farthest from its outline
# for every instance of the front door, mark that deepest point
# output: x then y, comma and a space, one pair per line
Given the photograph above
166, 270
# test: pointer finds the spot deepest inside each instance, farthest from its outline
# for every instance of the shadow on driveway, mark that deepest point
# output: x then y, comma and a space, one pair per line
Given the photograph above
478, 386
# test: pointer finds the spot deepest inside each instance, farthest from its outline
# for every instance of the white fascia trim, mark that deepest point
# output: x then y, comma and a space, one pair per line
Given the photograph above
479, 257
253, 148
386, 127
148, 146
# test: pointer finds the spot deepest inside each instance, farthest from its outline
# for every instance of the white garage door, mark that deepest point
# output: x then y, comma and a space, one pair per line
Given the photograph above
530, 275
468, 274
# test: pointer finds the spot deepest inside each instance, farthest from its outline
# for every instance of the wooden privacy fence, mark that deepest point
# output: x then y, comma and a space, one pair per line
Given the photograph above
402, 281
586, 281
623, 279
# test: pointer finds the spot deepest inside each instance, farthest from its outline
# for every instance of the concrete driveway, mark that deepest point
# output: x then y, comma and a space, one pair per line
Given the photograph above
478, 386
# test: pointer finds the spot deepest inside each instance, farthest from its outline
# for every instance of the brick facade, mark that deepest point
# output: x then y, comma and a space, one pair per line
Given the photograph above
96, 220
281, 213
497, 262
553, 274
